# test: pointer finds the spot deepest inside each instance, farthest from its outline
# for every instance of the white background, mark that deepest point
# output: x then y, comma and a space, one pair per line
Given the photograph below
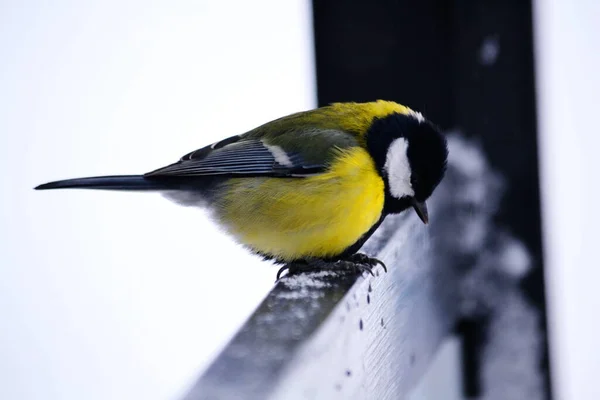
117, 295
568, 67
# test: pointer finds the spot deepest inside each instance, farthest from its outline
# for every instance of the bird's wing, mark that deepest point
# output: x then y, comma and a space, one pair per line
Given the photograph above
290, 153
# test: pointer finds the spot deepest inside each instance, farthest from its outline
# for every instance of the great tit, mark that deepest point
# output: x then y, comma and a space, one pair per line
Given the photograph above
308, 189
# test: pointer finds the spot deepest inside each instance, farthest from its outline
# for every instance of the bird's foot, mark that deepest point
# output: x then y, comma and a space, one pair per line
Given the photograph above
365, 261
356, 263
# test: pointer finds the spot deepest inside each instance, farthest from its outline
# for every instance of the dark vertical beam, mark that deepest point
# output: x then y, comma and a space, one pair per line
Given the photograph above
494, 92
394, 50
466, 65
495, 100
472, 332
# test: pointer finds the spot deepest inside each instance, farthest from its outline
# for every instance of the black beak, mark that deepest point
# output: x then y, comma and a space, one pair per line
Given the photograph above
421, 209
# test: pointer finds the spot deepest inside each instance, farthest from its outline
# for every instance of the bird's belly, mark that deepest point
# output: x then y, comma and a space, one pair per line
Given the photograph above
297, 218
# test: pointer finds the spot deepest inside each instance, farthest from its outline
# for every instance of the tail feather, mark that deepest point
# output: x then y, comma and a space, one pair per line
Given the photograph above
119, 182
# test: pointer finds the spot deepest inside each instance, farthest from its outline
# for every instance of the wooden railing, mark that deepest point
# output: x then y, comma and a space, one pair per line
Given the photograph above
330, 335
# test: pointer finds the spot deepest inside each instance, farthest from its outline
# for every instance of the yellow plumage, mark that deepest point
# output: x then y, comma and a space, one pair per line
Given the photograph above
319, 216
357, 117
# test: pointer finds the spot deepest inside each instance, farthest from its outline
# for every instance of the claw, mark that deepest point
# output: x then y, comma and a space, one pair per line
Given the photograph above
282, 269
378, 261
364, 259
302, 266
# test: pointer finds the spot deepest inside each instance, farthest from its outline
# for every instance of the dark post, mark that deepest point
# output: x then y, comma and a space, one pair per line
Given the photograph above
468, 66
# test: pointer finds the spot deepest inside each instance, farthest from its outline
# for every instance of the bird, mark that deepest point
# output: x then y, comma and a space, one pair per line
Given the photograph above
308, 189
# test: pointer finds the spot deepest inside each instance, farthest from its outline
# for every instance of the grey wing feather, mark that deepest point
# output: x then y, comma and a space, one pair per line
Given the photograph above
239, 156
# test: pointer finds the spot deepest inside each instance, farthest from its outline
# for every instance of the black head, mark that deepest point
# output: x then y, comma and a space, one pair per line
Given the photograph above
410, 154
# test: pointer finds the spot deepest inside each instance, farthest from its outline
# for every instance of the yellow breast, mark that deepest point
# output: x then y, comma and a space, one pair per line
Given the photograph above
295, 218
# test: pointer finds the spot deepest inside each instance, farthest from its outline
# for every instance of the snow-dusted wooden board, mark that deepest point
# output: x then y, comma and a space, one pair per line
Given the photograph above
326, 335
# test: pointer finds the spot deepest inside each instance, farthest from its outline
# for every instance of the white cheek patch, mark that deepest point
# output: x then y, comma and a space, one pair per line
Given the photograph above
279, 154
398, 169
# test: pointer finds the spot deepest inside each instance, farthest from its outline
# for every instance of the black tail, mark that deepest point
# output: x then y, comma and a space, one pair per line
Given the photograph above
119, 182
